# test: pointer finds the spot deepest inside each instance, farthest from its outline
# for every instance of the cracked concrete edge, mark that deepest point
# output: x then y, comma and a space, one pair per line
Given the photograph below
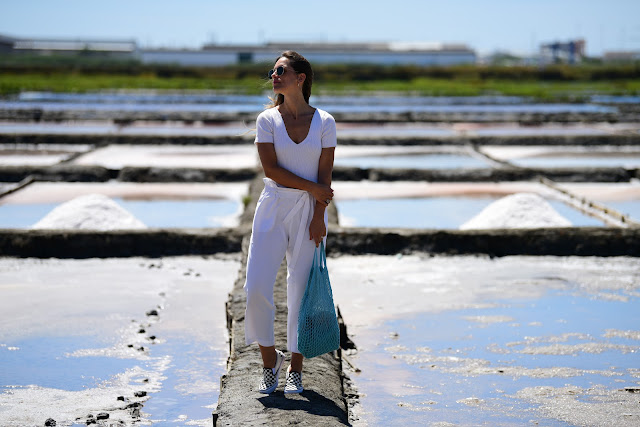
127, 117
81, 244
613, 139
570, 241
74, 173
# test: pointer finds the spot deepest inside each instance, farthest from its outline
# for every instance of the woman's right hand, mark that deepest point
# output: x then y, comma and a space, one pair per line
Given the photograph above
322, 193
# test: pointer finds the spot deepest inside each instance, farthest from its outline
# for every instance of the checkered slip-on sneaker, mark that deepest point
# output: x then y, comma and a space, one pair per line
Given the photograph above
294, 382
270, 375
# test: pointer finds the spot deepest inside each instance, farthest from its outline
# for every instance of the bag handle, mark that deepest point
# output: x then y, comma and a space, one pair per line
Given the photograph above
319, 259
324, 255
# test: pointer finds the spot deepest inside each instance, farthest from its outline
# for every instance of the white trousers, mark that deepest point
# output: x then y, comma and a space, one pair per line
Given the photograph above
280, 227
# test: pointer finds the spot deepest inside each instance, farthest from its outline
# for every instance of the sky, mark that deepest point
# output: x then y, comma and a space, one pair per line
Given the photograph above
516, 26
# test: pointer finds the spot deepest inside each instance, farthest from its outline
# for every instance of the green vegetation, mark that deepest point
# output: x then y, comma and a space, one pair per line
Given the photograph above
74, 82
84, 73
542, 90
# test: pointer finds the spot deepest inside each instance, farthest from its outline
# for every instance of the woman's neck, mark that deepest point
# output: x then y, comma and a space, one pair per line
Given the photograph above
295, 106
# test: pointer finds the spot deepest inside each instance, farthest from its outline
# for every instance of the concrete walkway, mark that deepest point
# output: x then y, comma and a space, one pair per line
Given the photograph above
322, 402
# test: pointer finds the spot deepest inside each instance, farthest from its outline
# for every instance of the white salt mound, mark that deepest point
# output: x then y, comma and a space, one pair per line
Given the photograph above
90, 212
521, 210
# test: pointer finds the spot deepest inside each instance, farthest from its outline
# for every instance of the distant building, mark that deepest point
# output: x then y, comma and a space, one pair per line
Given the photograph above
422, 54
621, 56
570, 52
6, 44
112, 48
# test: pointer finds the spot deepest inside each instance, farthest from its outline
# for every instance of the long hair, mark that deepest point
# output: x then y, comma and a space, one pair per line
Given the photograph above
300, 65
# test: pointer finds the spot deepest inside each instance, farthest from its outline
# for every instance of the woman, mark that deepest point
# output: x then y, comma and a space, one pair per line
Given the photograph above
296, 144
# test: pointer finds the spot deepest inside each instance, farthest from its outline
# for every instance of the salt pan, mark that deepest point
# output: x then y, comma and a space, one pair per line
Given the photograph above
90, 212
521, 210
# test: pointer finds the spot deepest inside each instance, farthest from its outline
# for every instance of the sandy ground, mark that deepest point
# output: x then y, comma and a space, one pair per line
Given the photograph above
509, 341
77, 335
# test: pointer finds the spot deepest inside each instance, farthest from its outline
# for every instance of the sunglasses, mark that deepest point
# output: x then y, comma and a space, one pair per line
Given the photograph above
278, 72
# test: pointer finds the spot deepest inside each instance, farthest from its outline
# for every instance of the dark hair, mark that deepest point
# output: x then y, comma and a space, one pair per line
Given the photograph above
300, 65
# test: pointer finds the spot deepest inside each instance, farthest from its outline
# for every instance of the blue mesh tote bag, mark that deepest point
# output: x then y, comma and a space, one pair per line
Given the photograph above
318, 330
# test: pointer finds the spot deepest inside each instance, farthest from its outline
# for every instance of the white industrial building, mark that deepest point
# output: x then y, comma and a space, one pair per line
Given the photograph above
421, 54
117, 48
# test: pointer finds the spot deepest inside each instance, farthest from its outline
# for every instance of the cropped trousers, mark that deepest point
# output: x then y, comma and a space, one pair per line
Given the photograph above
280, 228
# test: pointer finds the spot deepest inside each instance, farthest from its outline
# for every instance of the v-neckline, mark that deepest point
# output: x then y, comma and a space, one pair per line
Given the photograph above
308, 130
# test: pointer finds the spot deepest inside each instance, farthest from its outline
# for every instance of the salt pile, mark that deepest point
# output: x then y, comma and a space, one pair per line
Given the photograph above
90, 212
521, 210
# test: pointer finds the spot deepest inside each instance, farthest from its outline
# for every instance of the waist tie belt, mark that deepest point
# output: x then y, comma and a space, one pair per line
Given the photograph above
303, 203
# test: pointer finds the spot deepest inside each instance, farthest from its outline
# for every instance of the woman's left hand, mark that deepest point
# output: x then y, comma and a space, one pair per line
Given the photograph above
317, 230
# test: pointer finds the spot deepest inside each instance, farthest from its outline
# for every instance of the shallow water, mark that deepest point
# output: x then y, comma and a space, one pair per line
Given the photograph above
184, 213
414, 161
334, 108
68, 325
509, 341
199, 97
627, 207
613, 99
172, 156
45, 361
193, 378
432, 212
580, 160
437, 355
153, 213
253, 104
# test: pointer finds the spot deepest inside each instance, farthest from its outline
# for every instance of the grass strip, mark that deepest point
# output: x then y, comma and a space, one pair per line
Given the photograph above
543, 90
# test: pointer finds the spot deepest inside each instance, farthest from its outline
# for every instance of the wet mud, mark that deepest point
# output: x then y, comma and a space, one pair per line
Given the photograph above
73, 173
578, 241
372, 137
40, 114
93, 244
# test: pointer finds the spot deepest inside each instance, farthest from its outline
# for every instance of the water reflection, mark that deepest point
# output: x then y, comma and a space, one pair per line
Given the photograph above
432, 212
46, 362
194, 102
413, 161
469, 365
476, 341
580, 160
159, 213
142, 97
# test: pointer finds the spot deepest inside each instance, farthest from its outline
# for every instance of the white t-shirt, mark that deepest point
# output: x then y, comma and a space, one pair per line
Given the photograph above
301, 159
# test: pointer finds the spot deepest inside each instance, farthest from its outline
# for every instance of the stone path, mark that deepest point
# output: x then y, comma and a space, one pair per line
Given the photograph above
322, 402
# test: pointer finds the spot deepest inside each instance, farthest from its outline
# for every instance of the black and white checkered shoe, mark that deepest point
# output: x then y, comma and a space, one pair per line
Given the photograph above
270, 375
294, 382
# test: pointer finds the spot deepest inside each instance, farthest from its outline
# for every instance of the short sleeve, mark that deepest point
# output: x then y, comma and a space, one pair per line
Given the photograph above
264, 128
329, 138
